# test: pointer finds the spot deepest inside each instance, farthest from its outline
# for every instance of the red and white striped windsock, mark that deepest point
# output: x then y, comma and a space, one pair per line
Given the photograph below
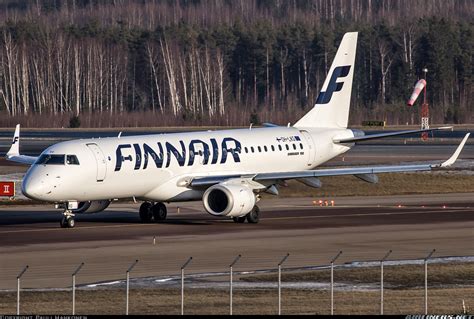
416, 91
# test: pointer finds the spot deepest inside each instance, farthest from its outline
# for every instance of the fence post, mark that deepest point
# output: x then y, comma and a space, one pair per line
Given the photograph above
381, 280
231, 280
279, 282
182, 284
426, 280
74, 288
128, 284
18, 290
332, 281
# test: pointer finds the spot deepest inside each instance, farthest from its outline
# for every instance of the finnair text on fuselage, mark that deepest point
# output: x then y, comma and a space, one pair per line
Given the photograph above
196, 147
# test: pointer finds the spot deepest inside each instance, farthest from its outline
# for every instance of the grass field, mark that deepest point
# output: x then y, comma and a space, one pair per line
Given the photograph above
403, 294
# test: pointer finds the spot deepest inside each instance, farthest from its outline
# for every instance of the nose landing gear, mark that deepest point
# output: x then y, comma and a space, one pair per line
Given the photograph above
68, 219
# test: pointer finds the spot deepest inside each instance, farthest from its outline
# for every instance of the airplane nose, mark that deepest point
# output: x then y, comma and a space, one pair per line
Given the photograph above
32, 188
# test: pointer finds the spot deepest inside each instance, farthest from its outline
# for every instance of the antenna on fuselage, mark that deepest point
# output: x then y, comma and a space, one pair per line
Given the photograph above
250, 126
120, 134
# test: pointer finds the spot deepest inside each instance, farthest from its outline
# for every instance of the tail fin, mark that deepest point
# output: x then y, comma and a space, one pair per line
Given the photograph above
332, 105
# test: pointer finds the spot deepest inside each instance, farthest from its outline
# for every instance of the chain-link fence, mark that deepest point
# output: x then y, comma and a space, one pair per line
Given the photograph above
386, 286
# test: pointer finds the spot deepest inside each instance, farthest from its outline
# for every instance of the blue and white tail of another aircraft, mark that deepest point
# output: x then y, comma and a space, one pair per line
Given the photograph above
226, 169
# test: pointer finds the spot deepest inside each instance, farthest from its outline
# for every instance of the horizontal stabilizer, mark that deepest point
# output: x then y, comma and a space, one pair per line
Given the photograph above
382, 135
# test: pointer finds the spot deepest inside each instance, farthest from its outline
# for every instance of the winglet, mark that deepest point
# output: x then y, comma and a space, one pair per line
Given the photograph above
454, 157
15, 148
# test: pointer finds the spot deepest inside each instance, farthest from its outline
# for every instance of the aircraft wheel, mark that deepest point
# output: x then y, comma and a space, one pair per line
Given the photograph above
254, 216
145, 212
239, 220
70, 222
159, 211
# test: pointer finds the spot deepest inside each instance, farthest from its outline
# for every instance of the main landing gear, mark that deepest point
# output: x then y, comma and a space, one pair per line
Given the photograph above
253, 217
149, 211
68, 219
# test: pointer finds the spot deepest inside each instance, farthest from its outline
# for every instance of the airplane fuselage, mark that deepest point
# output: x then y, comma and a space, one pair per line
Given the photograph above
155, 167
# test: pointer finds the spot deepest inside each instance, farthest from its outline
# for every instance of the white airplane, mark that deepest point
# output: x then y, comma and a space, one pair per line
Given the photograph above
225, 169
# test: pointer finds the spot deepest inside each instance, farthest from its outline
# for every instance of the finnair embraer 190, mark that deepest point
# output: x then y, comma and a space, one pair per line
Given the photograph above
225, 169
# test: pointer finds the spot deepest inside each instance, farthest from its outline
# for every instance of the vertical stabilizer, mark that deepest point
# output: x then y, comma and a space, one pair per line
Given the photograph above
332, 106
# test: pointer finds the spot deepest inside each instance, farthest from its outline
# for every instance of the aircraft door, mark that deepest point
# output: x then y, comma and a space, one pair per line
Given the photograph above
100, 161
311, 157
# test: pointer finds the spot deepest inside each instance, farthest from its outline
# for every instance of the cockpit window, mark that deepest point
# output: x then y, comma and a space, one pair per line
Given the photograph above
48, 159
72, 160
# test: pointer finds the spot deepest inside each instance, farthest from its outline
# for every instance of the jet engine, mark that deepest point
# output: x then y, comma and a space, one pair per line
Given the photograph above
229, 200
91, 207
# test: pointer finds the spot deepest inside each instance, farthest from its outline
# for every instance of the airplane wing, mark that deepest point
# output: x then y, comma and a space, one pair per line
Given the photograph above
361, 171
14, 152
382, 135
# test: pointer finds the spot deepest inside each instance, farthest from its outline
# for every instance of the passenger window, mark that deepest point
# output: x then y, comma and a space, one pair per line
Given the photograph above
301, 145
72, 160
251, 148
280, 148
265, 148
259, 149
287, 147
294, 146
246, 150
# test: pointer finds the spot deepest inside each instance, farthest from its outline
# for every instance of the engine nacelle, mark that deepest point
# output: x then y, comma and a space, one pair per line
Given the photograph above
91, 207
229, 200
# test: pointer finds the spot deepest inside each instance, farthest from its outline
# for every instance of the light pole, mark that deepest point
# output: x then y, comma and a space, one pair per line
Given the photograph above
128, 284
426, 280
381, 280
182, 284
231, 280
332, 280
18, 290
74, 288
279, 282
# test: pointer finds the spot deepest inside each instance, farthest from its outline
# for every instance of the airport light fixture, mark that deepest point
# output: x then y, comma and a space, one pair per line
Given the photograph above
279, 282
381, 280
74, 288
182, 284
231, 279
332, 280
18, 290
426, 279
128, 284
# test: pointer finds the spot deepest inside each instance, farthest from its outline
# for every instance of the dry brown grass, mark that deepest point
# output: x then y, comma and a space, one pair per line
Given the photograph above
255, 301
404, 276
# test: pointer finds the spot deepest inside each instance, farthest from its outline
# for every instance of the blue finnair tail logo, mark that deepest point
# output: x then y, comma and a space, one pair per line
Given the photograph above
333, 86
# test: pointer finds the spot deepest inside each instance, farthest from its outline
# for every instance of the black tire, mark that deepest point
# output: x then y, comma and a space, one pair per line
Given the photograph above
159, 212
63, 222
254, 216
239, 220
145, 212
70, 222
